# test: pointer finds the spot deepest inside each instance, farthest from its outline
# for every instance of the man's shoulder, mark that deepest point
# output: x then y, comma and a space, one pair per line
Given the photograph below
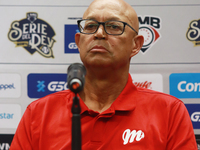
155, 96
52, 99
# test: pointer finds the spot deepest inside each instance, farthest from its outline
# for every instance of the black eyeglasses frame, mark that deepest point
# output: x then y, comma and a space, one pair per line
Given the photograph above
103, 23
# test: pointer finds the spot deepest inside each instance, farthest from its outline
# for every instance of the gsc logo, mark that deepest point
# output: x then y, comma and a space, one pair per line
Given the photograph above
185, 85
70, 45
53, 86
194, 112
195, 117
40, 85
57, 86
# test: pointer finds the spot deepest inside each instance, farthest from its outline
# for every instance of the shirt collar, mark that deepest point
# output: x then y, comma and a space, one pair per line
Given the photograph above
126, 101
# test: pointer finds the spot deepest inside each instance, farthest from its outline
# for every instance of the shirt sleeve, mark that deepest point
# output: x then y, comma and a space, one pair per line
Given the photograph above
180, 132
22, 137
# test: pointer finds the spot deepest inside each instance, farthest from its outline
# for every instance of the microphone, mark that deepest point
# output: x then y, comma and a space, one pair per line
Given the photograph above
76, 77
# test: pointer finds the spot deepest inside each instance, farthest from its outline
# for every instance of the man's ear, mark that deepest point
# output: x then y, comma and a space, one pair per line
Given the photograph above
77, 38
138, 43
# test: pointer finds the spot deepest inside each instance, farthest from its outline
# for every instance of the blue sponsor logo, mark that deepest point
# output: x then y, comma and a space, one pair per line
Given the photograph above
40, 85
194, 111
7, 86
6, 116
70, 45
185, 85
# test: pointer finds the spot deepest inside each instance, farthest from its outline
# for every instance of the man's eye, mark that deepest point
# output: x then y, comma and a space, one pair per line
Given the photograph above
113, 27
90, 26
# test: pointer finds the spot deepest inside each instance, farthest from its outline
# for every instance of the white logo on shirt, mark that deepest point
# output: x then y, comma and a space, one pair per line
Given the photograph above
130, 136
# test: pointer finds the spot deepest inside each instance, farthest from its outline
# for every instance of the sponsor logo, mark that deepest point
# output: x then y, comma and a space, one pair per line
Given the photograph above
149, 26
148, 81
195, 117
70, 45
10, 85
129, 136
145, 84
193, 32
7, 86
185, 85
198, 141
40, 85
10, 115
4, 146
194, 111
33, 34
5, 141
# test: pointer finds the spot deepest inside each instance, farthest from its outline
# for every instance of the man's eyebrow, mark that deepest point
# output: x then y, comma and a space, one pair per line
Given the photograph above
91, 18
106, 19
113, 19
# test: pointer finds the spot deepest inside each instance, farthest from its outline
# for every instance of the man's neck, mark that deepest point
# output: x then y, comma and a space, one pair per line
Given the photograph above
100, 93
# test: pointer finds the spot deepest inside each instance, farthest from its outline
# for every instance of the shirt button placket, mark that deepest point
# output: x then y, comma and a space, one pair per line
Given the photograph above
98, 129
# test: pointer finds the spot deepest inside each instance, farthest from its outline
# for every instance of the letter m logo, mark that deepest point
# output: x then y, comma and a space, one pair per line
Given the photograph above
129, 136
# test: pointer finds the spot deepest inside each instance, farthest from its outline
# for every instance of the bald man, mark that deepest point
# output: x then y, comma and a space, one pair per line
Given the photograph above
115, 115
107, 57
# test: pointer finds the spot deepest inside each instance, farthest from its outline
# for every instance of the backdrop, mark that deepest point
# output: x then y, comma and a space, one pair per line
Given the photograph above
37, 46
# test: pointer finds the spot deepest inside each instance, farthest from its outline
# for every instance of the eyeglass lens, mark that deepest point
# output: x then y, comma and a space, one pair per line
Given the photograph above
111, 27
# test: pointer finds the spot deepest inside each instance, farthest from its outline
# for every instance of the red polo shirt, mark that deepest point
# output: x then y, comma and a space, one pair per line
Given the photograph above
138, 119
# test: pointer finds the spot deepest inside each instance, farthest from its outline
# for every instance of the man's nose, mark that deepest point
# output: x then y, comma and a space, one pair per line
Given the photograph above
100, 33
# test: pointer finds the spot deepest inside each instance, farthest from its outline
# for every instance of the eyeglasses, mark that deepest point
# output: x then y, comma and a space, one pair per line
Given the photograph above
88, 26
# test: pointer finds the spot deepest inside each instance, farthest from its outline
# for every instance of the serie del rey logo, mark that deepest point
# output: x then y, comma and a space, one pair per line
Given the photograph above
33, 34
193, 32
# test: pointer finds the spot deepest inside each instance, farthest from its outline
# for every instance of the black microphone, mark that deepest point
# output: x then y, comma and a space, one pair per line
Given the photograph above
76, 77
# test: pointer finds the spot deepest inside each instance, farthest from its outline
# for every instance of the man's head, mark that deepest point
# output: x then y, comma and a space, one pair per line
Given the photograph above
102, 49
118, 7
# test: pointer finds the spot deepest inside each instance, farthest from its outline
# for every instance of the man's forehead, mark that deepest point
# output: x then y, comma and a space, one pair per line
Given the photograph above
103, 10
104, 17
105, 13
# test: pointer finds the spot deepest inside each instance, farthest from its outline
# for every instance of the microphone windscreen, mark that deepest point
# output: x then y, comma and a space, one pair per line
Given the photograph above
76, 77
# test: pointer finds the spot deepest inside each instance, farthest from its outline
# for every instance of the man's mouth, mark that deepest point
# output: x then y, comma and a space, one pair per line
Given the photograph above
98, 48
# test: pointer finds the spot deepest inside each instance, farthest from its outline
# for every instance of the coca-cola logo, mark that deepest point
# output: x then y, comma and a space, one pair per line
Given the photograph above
148, 81
145, 84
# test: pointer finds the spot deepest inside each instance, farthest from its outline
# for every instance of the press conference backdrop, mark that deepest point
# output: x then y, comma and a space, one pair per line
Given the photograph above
37, 46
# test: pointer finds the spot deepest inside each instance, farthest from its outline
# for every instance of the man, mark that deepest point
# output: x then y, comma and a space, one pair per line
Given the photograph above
115, 115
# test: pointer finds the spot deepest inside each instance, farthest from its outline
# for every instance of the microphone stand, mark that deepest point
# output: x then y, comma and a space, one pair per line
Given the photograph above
76, 78
76, 124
